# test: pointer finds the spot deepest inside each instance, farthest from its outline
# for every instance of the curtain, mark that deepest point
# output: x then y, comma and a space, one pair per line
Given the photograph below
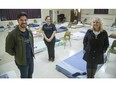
100, 11
11, 14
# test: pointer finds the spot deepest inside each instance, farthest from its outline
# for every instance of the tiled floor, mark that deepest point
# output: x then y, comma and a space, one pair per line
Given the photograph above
42, 68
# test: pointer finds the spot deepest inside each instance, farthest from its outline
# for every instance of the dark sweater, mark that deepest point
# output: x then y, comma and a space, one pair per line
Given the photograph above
48, 30
28, 47
15, 45
95, 47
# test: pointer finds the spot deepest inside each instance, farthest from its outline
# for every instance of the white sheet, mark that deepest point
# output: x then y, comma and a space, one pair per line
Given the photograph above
40, 46
69, 67
77, 36
83, 30
10, 74
60, 25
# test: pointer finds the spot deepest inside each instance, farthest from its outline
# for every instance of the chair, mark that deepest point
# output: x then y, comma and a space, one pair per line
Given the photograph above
10, 24
54, 22
112, 49
75, 22
35, 21
66, 38
69, 25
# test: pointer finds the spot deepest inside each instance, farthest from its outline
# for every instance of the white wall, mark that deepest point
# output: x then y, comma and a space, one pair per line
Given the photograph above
85, 13
112, 11
54, 15
107, 19
67, 13
44, 13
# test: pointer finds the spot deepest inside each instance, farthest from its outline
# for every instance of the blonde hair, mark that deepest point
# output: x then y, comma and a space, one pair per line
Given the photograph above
100, 21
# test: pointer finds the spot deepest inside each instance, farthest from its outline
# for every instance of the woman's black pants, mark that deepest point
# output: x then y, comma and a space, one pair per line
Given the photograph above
51, 51
91, 70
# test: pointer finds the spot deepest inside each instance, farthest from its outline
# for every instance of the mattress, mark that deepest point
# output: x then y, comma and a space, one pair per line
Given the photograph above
77, 36
73, 66
1, 29
33, 25
83, 31
65, 24
9, 74
40, 46
61, 29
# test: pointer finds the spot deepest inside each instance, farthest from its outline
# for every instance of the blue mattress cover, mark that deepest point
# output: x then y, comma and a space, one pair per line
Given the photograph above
83, 31
74, 66
33, 25
61, 30
77, 61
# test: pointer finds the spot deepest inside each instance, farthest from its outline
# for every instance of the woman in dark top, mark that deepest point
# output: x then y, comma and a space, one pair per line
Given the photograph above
49, 31
95, 45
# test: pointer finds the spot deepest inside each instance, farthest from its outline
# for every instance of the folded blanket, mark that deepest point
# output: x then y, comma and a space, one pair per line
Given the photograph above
1, 26
57, 40
62, 27
78, 74
33, 25
15, 26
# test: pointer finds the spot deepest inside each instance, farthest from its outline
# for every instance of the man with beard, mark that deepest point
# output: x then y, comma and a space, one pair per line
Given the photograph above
19, 43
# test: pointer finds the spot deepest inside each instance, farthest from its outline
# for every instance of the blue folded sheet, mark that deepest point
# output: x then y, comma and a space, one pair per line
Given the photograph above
4, 76
33, 25
15, 26
73, 66
83, 31
77, 61
1, 26
57, 40
61, 29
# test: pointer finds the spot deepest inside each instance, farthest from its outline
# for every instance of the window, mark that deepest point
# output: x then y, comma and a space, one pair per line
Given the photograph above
100, 11
11, 14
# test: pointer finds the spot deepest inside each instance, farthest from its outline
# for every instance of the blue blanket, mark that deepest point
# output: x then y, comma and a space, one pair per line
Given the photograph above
73, 66
61, 29
33, 25
77, 61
